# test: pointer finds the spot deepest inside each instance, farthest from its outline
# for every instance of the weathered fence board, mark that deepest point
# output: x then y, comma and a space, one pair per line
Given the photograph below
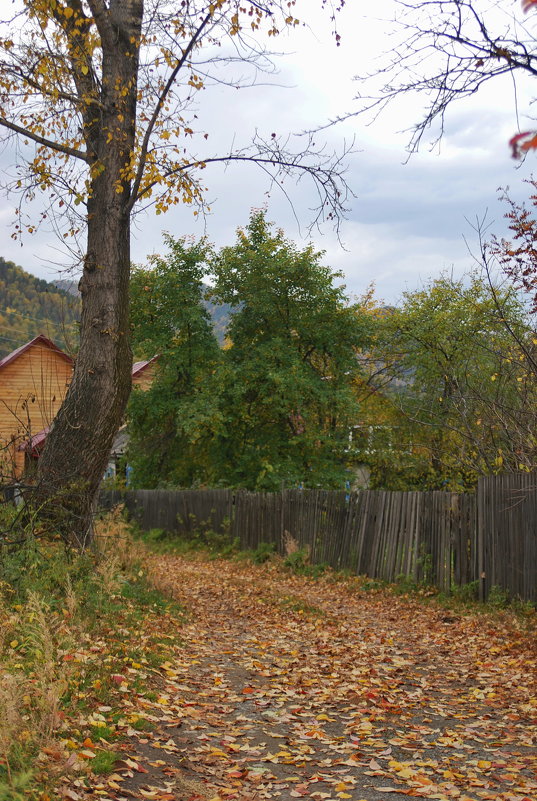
443, 538
507, 534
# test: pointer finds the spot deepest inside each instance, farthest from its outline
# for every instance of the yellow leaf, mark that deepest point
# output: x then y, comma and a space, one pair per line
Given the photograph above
406, 773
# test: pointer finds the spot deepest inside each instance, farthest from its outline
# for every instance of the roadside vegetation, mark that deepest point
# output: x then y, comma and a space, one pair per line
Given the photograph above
82, 638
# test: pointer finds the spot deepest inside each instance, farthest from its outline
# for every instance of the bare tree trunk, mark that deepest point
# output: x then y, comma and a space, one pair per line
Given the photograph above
77, 448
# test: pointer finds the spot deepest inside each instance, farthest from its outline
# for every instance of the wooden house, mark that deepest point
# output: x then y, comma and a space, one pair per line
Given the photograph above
33, 382
143, 373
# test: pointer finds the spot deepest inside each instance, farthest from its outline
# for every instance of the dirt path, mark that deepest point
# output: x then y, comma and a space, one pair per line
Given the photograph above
288, 688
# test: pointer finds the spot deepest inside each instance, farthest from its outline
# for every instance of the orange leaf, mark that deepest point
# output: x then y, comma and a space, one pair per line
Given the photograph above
522, 142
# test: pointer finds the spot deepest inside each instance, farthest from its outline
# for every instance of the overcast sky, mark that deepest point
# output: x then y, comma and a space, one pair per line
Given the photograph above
408, 221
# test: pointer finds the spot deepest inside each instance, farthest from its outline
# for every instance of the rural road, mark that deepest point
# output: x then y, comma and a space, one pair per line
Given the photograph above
283, 687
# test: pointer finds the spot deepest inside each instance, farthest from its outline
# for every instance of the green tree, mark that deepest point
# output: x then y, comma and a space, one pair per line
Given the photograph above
172, 424
457, 384
287, 399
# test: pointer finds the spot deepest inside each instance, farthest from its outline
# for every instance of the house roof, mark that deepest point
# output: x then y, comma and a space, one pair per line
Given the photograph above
35, 443
40, 339
139, 367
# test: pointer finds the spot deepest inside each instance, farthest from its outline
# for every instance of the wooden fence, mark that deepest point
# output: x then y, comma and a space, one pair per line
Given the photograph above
443, 538
507, 534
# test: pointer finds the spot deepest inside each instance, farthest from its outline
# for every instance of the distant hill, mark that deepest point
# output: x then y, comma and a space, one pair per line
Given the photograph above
69, 285
220, 315
30, 306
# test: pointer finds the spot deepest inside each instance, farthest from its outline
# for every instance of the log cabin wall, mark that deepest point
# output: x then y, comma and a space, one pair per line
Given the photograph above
143, 378
32, 388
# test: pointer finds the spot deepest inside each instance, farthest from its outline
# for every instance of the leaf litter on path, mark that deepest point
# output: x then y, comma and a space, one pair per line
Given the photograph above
283, 687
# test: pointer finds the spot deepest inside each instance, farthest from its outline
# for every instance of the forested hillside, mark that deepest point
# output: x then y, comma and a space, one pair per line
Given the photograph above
30, 306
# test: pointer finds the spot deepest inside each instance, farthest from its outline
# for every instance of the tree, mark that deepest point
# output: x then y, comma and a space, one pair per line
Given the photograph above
465, 405
104, 93
287, 401
445, 51
275, 405
172, 424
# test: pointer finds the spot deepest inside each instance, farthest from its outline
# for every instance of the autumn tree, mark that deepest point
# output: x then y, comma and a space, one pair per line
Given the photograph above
463, 402
101, 96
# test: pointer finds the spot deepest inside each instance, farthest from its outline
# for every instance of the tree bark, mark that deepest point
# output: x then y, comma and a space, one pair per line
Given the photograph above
78, 446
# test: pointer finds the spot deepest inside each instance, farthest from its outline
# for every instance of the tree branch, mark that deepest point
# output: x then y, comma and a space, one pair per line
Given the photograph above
158, 107
41, 140
102, 20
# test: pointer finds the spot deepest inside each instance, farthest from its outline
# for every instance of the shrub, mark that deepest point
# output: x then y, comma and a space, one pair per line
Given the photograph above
263, 552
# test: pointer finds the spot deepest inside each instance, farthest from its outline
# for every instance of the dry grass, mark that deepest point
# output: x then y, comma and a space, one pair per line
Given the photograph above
13, 726
71, 601
291, 546
29, 702
50, 673
120, 551
115, 543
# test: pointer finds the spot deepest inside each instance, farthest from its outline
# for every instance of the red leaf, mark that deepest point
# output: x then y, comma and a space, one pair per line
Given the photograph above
522, 142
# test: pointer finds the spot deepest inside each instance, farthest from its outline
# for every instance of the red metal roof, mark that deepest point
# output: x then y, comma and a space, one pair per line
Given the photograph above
35, 444
139, 367
40, 339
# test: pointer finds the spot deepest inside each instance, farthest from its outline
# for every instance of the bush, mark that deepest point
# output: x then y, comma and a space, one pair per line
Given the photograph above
263, 552
466, 593
52, 601
299, 562
498, 598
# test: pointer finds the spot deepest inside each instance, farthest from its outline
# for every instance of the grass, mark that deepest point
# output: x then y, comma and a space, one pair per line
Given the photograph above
67, 622
218, 544
104, 762
291, 603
